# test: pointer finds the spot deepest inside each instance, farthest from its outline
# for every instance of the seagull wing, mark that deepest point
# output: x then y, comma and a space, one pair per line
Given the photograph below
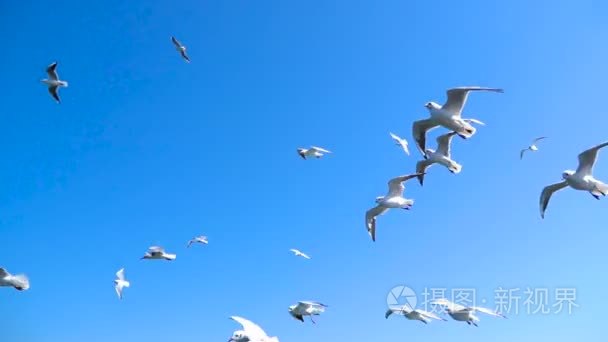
319, 149
252, 330
121, 274
421, 167
521, 153
586, 160
457, 98
185, 56
396, 185
51, 71
370, 219
444, 142
53, 90
545, 196
419, 129
430, 315
487, 311
402, 142
311, 303
176, 42
118, 288
538, 139
4, 273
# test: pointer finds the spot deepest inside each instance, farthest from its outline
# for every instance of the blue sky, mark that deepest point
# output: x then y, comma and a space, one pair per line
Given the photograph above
146, 149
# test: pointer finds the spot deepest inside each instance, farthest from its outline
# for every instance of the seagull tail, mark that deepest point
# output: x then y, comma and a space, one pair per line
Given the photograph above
170, 256
21, 282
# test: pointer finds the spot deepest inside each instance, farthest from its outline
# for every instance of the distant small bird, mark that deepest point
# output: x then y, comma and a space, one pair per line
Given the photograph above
181, 48
19, 281
53, 82
532, 147
250, 332
299, 253
401, 142
393, 199
581, 179
120, 282
313, 151
305, 308
463, 313
411, 314
198, 239
157, 253
448, 116
442, 156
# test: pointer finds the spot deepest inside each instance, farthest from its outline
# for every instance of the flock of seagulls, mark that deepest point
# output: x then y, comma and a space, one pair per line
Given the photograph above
448, 116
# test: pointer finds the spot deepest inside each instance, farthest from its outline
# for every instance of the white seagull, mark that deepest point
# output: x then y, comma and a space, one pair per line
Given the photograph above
532, 147
180, 48
448, 116
393, 199
413, 314
120, 282
442, 156
401, 142
19, 281
463, 313
53, 82
581, 179
297, 252
313, 151
304, 308
251, 332
198, 239
156, 252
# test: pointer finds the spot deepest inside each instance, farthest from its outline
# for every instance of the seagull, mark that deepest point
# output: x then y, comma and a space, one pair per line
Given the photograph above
19, 281
448, 116
251, 332
581, 179
401, 142
120, 282
532, 147
441, 156
393, 199
156, 252
298, 311
182, 49
297, 252
415, 315
463, 313
53, 82
198, 239
313, 151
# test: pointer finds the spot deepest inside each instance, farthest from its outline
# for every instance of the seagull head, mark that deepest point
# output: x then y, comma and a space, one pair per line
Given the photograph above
432, 106
238, 336
291, 309
567, 174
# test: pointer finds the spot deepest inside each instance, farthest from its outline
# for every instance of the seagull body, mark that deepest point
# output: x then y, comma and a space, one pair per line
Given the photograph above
158, 253
180, 48
53, 82
393, 200
19, 282
120, 282
414, 315
297, 252
532, 147
463, 313
312, 152
448, 116
198, 239
251, 332
401, 142
305, 308
581, 179
442, 156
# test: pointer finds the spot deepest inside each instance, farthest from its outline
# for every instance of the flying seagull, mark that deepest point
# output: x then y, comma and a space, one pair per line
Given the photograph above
120, 282
250, 332
53, 82
19, 281
393, 199
304, 308
442, 156
413, 314
581, 179
198, 239
448, 116
182, 49
157, 253
464, 313
532, 147
313, 151
401, 142
297, 252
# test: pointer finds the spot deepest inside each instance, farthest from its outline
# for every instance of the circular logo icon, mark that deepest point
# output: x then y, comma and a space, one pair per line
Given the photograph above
400, 296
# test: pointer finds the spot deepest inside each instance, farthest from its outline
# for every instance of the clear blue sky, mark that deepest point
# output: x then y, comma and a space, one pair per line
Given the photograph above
146, 149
